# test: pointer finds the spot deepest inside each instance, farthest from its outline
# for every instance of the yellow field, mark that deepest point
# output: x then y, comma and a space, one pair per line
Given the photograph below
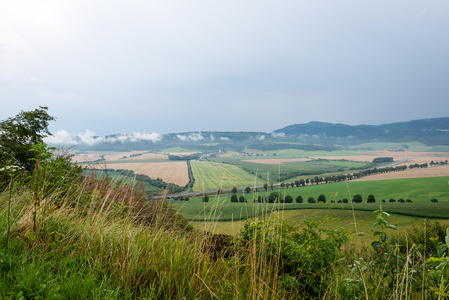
173, 172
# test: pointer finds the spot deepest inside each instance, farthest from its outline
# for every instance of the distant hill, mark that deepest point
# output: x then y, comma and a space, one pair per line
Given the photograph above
310, 136
428, 131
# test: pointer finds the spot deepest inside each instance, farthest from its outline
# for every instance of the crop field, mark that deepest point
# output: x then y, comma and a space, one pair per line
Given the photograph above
274, 172
410, 173
213, 176
171, 171
339, 218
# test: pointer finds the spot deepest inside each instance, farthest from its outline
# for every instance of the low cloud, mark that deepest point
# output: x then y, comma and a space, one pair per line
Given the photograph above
88, 137
194, 137
223, 138
276, 135
260, 137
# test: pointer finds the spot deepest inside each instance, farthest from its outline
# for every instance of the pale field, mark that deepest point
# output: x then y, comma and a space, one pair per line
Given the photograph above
109, 157
413, 157
410, 173
275, 161
173, 172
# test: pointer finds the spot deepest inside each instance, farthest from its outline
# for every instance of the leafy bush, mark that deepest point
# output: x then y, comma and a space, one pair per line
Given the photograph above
304, 258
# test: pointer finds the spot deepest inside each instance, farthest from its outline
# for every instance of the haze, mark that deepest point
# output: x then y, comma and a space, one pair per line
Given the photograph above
153, 67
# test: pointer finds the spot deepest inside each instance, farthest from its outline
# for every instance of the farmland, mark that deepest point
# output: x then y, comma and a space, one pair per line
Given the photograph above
213, 175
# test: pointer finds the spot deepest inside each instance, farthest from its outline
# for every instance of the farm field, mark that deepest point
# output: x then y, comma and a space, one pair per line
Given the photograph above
171, 171
213, 176
339, 218
410, 173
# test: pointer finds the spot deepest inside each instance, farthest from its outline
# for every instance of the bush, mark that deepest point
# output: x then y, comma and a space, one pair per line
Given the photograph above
345, 200
206, 198
371, 199
299, 199
434, 200
391, 200
304, 258
242, 199
288, 199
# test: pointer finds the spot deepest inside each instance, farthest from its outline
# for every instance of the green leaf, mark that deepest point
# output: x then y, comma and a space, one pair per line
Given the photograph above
441, 249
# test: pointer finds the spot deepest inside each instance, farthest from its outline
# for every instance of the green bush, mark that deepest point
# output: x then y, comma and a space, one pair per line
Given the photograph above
305, 258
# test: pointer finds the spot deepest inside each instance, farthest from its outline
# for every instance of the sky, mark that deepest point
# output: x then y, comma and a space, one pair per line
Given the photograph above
154, 67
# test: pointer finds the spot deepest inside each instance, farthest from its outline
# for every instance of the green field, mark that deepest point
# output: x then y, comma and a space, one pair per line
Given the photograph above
419, 190
289, 170
213, 176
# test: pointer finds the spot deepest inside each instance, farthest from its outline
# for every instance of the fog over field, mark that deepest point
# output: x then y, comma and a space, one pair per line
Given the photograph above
151, 68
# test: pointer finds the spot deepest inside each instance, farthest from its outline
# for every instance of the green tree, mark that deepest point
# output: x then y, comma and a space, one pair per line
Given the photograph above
234, 198
275, 197
206, 198
371, 199
20, 133
288, 199
234, 190
357, 198
321, 198
311, 200
299, 199
242, 199
247, 189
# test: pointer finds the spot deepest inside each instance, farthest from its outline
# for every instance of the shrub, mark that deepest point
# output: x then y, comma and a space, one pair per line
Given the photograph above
206, 198
234, 198
391, 200
371, 199
434, 200
242, 199
304, 258
299, 199
345, 200
288, 199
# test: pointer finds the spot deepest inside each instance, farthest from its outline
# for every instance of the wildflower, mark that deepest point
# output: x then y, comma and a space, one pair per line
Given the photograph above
120, 199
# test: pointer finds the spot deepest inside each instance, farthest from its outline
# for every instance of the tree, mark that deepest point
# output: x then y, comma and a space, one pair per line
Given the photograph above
234, 198
275, 197
242, 199
357, 198
311, 200
434, 200
371, 199
247, 189
19, 134
265, 187
345, 200
234, 190
206, 198
299, 199
321, 198
288, 199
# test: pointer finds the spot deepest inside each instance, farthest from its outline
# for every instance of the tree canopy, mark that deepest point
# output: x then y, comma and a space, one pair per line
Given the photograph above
20, 133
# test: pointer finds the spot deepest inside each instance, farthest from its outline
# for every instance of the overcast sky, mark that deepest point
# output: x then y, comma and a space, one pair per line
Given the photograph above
174, 66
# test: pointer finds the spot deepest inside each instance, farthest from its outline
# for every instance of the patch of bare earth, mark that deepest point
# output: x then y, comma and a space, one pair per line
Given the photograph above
173, 172
396, 155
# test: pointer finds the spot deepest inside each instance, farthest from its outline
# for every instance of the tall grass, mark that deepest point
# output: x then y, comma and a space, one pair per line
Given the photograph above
97, 239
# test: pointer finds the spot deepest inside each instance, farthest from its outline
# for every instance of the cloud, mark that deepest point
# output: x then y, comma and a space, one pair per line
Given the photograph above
223, 138
260, 137
194, 137
88, 137
276, 135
